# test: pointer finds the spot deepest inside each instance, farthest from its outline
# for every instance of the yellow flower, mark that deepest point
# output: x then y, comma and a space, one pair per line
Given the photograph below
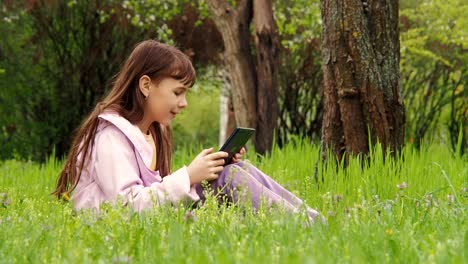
66, 197
389, 232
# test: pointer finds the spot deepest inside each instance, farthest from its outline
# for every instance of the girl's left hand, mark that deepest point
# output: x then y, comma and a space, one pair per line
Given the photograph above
237, 157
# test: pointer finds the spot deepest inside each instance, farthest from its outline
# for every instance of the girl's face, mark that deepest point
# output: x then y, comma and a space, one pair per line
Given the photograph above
165, 100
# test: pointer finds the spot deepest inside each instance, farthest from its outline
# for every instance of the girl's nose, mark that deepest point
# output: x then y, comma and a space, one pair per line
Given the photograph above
183, 103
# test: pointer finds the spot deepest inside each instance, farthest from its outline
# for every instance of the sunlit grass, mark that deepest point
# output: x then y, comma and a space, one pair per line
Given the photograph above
408, 210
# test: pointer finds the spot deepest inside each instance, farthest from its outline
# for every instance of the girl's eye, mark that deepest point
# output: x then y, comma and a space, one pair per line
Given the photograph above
177, 93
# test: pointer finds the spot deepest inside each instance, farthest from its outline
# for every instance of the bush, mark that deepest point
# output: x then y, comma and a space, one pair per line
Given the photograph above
434, 65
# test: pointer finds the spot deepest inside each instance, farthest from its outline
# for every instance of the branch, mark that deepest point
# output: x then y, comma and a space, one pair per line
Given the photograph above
220, 8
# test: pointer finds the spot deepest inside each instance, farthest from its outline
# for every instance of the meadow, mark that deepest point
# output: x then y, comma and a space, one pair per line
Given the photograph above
406, 210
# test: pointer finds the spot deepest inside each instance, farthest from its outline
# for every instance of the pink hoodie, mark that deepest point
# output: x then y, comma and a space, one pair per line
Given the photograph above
119, 168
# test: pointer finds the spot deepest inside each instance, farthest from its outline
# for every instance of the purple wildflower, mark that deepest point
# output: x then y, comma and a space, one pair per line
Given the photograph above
190, 217
402, 186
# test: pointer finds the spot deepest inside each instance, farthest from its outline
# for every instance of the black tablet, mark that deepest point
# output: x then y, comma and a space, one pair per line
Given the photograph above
236, 141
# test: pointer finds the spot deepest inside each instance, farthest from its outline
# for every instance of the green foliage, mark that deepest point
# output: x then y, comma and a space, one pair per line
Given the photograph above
14, 93
61, 56
299, 22
408, 210
300, 73
154, 15
434, 69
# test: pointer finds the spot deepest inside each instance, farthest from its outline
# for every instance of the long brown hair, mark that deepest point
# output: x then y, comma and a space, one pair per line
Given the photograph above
152, 58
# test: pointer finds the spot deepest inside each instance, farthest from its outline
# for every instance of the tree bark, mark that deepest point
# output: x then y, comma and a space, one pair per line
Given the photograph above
360, 53
254, 88
267, 46
233, 25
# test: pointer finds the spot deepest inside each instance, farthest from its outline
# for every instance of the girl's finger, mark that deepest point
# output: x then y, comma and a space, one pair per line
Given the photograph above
218, 155
217, 169
213, 176
206, 151
219, 162
242, 151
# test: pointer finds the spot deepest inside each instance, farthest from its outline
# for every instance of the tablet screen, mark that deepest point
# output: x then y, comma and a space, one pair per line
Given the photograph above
236, 141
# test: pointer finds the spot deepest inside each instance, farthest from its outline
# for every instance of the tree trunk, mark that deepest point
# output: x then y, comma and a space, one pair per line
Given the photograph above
233, 25
360, 53
254, 90
267, 46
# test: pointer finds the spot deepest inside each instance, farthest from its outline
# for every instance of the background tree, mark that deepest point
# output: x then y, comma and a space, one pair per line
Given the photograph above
360, 56
254, 85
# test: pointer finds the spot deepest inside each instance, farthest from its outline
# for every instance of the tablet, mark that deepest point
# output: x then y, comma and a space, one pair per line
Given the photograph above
236, 141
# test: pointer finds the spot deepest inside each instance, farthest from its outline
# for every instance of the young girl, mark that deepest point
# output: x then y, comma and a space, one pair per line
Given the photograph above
122, 151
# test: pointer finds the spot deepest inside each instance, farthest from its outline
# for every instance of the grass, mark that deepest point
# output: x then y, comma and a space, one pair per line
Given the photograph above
409, 210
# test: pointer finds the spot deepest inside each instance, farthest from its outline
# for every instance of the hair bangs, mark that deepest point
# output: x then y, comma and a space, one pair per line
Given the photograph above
182, 70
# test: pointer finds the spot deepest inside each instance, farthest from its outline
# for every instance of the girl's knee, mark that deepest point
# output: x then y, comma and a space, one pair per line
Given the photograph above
244, 164
233, 174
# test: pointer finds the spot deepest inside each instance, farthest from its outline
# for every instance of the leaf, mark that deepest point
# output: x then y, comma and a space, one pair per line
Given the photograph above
459, 89
455, 76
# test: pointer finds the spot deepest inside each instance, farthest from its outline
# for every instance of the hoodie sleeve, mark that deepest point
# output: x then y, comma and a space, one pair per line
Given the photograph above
118, 175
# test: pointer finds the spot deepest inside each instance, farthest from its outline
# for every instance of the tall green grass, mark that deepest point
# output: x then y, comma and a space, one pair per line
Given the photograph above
406, 210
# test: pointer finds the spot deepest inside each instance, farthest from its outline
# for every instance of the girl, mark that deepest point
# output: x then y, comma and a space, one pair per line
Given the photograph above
123, 148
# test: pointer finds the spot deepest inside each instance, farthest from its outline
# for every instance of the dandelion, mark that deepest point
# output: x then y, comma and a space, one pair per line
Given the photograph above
450, 199
65, 196
402, 186
389, 232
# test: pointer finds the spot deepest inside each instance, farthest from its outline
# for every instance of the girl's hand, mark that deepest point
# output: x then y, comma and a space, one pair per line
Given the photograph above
237, 157
206, 166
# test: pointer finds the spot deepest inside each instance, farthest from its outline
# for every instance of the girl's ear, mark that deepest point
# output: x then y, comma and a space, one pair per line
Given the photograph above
144, 85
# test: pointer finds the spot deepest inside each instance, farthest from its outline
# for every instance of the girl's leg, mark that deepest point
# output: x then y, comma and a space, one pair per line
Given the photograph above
271, 184
242, 181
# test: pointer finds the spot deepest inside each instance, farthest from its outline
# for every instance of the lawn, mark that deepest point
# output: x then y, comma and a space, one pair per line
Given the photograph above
406, 210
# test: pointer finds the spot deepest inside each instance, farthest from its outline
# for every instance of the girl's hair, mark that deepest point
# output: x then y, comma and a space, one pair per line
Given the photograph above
152, 58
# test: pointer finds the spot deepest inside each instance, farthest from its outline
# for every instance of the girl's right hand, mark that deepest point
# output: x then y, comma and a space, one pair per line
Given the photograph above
206, 166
